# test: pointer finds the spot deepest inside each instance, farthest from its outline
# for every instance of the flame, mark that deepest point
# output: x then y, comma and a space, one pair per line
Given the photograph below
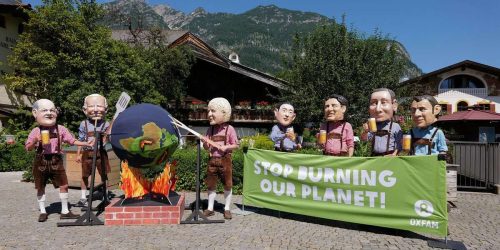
134, 185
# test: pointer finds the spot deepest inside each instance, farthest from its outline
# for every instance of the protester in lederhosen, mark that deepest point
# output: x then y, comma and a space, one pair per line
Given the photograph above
386, 141
283, 134
426, 139
339, 134
47, 139
94, 107
220, 140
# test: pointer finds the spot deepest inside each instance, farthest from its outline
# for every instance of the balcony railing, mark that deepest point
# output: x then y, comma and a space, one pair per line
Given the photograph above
237, 115
457, 92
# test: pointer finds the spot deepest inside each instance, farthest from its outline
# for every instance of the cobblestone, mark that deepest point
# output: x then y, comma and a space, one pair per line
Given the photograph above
475, 222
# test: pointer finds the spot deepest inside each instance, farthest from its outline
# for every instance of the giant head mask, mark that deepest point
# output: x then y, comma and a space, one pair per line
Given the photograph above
95, 106
285, 114
335, 108
219, 111
45, 112
424, 110
383, 104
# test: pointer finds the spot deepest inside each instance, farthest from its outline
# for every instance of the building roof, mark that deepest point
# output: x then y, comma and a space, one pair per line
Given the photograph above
464, 64
202, 51
471, 115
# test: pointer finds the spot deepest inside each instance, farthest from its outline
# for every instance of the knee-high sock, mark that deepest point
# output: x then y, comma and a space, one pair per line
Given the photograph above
41, 204
211, 200
227, 196
64, 203
84, 194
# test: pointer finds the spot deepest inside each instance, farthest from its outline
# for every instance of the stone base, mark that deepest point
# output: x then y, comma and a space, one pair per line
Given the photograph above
143, 215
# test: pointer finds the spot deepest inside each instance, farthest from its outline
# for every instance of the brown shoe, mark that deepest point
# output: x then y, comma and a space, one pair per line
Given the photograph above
227, 215
69, 215
208, 213
43, 217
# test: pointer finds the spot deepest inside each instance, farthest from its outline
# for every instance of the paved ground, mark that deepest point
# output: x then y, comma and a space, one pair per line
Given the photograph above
475, 222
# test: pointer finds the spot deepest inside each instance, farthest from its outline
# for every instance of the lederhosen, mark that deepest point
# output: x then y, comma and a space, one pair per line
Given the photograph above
219, 168
49, 166
88, 155
380, 134
422, 141
334, 135
281, 147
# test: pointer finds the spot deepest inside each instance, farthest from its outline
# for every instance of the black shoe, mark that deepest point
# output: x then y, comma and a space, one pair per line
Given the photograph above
81, 203
69, 215
43, 217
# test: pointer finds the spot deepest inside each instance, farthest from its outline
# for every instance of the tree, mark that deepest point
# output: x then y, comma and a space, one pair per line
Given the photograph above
333, 59
65, 54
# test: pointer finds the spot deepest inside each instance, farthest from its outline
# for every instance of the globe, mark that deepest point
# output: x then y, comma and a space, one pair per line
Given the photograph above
144, 136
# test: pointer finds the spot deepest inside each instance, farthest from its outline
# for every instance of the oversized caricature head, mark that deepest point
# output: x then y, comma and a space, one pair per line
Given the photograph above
383, 104
335, 107
285, 114
95, 106
219, 111
45, 112
424, 110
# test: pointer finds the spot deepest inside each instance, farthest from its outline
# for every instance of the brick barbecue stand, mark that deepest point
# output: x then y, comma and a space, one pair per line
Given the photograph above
143, 215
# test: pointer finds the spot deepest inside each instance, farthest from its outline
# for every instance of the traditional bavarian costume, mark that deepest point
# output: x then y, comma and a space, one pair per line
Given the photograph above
48, 162
281, 142
220, 165
86, 132
427, 141
345, 137
382, 139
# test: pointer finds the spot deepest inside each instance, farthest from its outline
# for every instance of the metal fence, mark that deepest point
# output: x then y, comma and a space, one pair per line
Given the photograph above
479, 164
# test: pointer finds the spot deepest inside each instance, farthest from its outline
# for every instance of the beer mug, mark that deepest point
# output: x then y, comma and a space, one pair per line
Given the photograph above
406, 142
322, 137
45, 137
372, 124
290, 130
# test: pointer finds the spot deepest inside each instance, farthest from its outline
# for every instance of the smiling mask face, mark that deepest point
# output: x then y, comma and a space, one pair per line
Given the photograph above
334, 111
382, 106
285, 114
45, 112
423, 113
95, 106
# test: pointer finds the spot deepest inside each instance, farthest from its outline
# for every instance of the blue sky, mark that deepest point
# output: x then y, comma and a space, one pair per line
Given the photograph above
436, 33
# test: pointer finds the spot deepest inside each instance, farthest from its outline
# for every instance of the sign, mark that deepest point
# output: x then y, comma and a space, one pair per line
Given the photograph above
407, 193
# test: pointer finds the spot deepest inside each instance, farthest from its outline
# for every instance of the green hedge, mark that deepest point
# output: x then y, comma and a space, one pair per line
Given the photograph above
15, 158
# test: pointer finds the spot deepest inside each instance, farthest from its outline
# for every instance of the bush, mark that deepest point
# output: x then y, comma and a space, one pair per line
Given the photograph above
15, 158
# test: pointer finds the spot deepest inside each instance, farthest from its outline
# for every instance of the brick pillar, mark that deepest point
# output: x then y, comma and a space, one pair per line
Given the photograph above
492, 107
449, 109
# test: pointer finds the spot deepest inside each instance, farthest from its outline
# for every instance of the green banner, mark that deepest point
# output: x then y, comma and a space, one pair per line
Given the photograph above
406, 193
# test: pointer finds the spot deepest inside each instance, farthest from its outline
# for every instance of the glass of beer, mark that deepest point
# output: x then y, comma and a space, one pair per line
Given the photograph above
406, 142
372, 125
290, 130
322, 137
45, 137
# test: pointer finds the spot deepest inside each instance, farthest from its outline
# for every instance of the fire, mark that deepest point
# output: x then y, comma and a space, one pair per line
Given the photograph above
134, 185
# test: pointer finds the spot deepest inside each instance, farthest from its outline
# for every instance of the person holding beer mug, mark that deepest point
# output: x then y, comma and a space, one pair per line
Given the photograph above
386, 136
426, 139
283, 134
48, 138
336, 136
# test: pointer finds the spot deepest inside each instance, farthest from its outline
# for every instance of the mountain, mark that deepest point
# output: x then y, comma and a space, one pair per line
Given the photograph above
261, 37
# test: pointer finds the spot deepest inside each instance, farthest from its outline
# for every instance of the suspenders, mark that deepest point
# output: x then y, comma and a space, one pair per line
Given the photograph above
219, 137
422, 141
383, 133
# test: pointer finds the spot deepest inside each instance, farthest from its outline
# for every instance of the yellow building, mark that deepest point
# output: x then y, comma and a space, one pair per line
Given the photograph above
11, 25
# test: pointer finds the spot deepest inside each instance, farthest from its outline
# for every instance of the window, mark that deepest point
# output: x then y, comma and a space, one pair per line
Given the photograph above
462, 106
444, 109
2, 22
461, 82
482, 106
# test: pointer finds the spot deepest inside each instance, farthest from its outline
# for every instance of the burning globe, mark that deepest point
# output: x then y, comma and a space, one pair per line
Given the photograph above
144, 139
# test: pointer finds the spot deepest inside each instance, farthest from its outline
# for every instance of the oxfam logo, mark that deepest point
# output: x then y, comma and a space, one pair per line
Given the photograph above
424, 208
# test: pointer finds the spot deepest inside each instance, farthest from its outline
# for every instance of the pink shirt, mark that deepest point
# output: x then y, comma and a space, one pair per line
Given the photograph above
220, 130
64, 135
333, 145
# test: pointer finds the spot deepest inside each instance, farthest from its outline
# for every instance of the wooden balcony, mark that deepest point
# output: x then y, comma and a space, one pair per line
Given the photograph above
237, 115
